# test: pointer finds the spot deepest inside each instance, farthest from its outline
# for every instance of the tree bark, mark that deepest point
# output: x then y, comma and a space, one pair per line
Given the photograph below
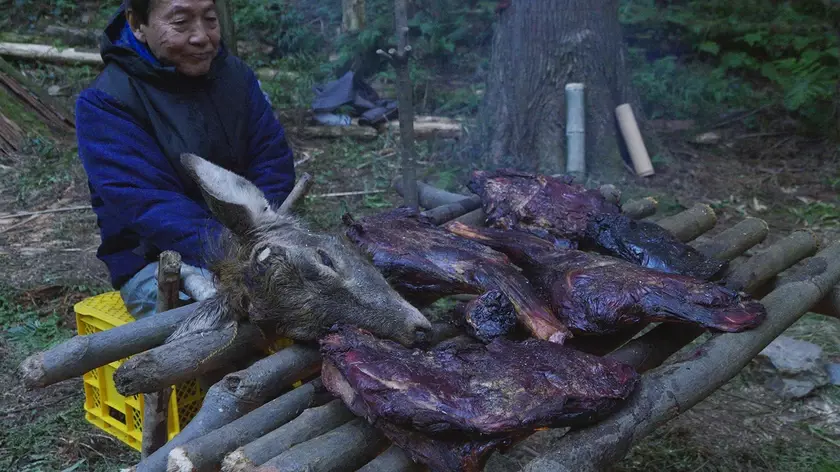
393, 459
238, 393
156, 404
186, 358
312, 423
352, 15
673, 389
206, 452
81, 354
346, 448
225, 11
538, 47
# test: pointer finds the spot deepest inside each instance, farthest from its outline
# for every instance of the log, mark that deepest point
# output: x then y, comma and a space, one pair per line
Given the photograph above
747, 234
300, 190
430, 196
81, 354
393, 459
473, 218
156, 404
673, 389
186, 358
429, 127
761, 267
345, 448
312, 423
205, 453
654, 347
73, 36
688, 224
327, 132
239, 393
641, 208
45, 53
450, 211
54, 114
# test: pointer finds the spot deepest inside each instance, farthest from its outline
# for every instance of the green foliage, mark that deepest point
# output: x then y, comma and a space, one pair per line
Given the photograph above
791, 47
279, 23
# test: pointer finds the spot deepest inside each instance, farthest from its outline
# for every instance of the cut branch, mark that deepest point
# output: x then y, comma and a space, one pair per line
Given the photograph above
393, 459
186, 358
312, 423
641, 208
671, 390
687, 225
206, 452
42, 52
300, 190
81, 354
761, 267
450, 211
156, 404
348, 447
238, 393
722, 246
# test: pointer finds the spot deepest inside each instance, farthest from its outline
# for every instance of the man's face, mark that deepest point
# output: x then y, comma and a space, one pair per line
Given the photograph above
181, 33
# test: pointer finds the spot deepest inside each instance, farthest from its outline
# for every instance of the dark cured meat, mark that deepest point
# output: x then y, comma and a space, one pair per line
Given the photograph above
424, 262
489, 316
478, 391
596, 294
558, 210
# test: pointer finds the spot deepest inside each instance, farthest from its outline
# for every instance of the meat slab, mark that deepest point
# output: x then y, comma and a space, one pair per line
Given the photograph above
424, 262
500, 388
555, 209
597, 294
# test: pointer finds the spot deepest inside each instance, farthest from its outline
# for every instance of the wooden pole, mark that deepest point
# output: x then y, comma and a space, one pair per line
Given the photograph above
81, 354
237, 394
156, 404
226, 14
399, 60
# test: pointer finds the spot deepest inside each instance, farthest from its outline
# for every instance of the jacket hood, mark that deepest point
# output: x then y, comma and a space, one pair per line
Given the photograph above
118, 44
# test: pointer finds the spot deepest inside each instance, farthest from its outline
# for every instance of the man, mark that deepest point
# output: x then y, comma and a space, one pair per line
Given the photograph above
169, 86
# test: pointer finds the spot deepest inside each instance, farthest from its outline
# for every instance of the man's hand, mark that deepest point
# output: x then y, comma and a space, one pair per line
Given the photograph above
197, 283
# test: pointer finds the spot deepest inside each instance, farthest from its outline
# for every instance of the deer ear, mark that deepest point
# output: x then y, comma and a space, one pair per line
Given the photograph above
236, 202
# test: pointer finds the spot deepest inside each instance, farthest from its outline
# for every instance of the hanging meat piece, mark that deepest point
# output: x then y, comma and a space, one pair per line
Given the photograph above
596, 294
476, 391
555, 209
424, 263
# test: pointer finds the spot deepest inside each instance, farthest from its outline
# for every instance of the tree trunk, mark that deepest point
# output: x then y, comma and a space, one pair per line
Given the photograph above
538, 47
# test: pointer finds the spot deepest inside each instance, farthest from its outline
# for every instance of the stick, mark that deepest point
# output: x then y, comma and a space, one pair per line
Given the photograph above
687, 225
312, 423
42, 52
347, 194
81, 354
761, 267
393, 459
44, 212
671, 390
156, 404
747, 234
186, 358
206, 452
450, 211
300, 189
237, 394
346, 448
641, 208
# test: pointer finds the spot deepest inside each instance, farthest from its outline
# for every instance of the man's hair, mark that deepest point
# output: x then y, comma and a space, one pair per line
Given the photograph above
141, 8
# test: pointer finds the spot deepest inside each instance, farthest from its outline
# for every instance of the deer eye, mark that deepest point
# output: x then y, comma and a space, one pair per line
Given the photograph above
325, 259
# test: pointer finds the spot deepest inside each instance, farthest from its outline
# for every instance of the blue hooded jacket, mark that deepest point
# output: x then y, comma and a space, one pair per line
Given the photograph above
132, 124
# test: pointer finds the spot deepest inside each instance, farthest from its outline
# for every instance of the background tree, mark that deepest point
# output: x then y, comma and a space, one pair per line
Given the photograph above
538, 47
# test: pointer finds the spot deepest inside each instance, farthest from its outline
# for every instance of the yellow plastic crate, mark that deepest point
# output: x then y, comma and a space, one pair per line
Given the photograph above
122, 416
105, 408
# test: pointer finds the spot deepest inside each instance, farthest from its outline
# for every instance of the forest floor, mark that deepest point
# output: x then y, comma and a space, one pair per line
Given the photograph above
49, 263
